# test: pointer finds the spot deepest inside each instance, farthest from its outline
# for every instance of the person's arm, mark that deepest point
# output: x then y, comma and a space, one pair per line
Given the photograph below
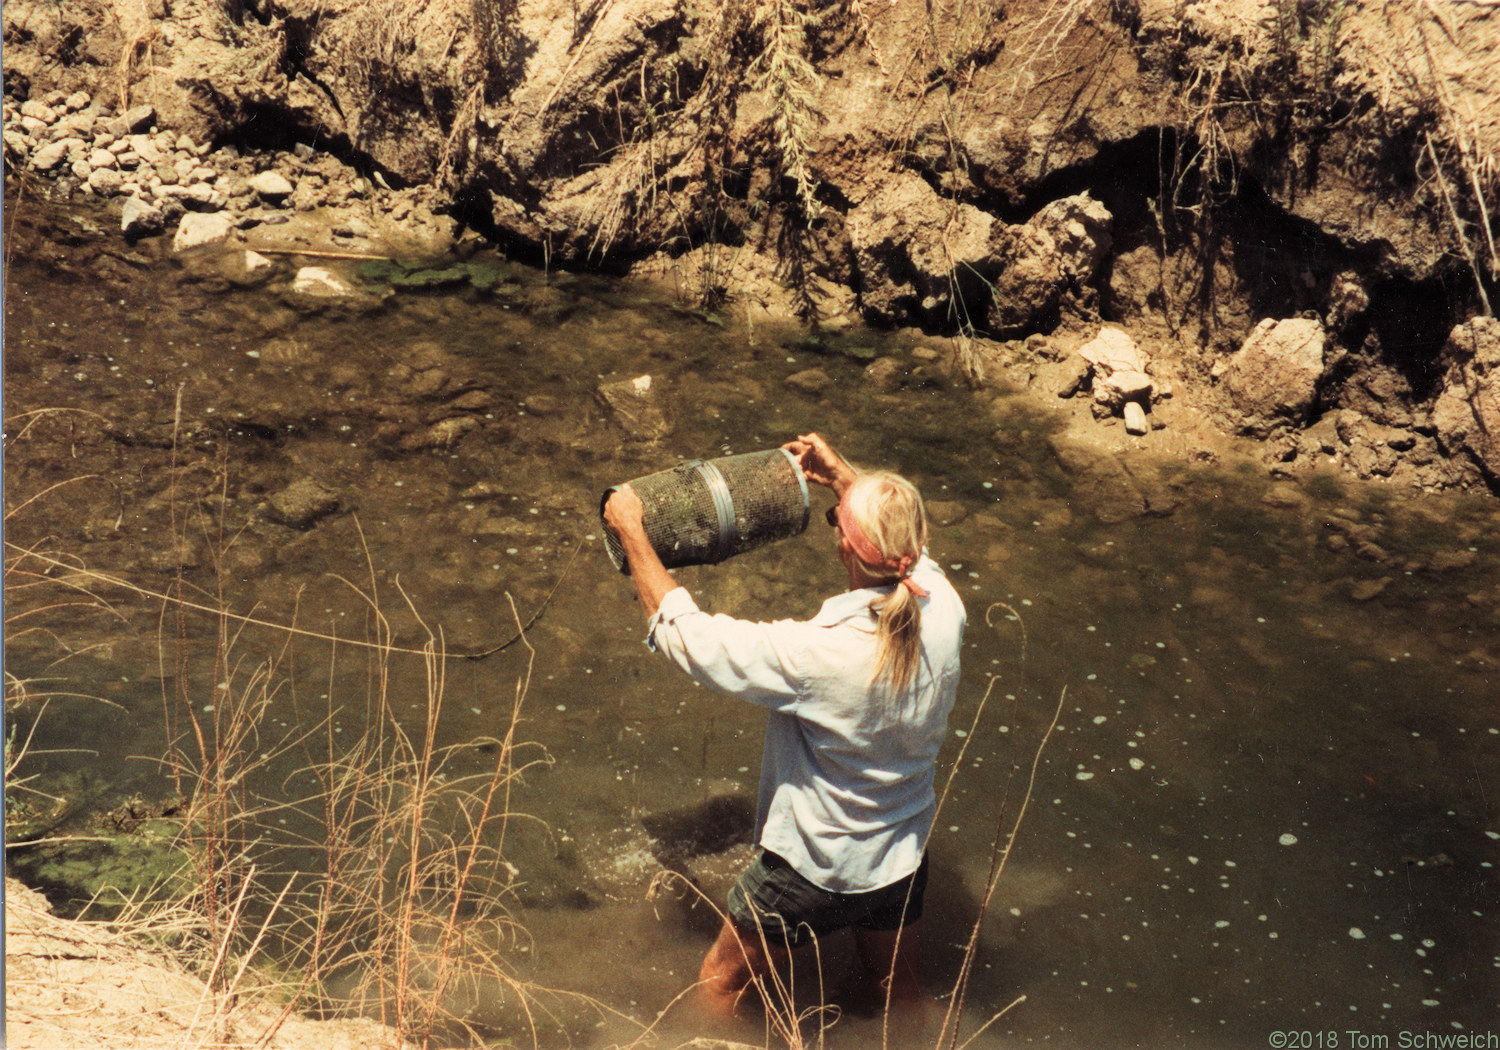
821, 464
625, 516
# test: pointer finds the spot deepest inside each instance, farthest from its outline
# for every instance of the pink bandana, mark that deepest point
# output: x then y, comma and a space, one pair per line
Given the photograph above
870, 554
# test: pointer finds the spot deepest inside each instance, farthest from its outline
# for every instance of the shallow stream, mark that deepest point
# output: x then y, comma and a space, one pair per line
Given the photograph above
1272, 799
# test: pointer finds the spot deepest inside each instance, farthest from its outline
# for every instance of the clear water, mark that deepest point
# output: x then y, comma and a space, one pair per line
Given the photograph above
1267, 806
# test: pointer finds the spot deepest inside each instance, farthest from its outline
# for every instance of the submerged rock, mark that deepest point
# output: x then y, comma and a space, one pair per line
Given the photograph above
318, 282
445, 433
302, 503
813, 382
634, 406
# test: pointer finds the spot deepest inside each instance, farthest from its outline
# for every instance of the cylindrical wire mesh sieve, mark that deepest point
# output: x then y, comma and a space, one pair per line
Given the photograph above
701, 512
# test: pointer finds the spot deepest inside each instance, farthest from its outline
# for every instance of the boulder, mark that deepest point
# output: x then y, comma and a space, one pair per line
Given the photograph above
38, 111
200, 229
635, 406
1272, 380
246, 269
444, 434
105, 182
910, 245
1057, 249
1466, 415
1118, 367
1080, 230
886, 374
49, 156
1119, 389
1099, 482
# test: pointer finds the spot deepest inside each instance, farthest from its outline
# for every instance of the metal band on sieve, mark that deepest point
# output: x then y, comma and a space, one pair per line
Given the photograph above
718, 491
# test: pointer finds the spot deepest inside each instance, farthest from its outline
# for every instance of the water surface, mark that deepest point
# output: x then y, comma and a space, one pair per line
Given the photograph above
1270, 803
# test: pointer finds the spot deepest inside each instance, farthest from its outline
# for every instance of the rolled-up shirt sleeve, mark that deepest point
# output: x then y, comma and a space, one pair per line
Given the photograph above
755, 661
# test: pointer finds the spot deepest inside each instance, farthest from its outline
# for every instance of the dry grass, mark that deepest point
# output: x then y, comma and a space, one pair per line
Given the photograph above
368, 873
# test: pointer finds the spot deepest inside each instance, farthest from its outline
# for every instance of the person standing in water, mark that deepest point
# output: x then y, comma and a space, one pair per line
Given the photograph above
859, 698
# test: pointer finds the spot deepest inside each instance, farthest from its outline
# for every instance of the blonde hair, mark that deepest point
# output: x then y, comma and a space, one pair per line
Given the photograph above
889, 510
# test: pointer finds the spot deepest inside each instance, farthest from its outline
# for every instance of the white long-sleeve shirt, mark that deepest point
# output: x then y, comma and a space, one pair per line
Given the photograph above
846, 781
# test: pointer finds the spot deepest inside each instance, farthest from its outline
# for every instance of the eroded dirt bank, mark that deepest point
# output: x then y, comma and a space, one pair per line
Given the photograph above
986, 171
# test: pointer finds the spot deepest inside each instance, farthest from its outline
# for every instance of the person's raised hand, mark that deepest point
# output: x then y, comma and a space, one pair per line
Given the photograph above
624, 513
820, 463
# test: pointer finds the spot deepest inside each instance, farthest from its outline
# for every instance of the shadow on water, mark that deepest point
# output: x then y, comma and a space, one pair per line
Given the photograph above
1271, 801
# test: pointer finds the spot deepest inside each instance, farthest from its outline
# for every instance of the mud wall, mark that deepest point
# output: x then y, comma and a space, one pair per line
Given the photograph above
1225, 163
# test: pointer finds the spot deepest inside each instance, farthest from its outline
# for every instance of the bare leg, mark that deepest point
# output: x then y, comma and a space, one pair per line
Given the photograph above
893, 959
736, 959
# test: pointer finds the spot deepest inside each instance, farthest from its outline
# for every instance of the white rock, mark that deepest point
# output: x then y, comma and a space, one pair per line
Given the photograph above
38, 111
49, 156
1120, 388
77, 124
1112, 350
315, 280
102, 158
271, 185
1135, 418
197, 230
141, 218
202, 194
145, 148
255, 262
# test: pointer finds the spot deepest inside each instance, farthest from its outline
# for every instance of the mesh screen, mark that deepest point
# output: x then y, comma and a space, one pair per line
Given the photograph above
766, 500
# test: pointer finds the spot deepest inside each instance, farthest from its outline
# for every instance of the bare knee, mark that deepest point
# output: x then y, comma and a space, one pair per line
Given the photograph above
731, 966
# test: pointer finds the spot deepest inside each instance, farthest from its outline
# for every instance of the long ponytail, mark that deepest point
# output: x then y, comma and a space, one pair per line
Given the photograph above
888, 509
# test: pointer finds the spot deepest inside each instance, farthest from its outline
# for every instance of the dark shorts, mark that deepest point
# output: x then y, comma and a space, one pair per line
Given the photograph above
791, 910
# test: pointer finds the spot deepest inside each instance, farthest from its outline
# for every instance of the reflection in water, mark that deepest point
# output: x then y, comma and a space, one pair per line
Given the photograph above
1271, 799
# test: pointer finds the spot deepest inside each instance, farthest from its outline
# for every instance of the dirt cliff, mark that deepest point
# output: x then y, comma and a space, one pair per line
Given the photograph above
893, 162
